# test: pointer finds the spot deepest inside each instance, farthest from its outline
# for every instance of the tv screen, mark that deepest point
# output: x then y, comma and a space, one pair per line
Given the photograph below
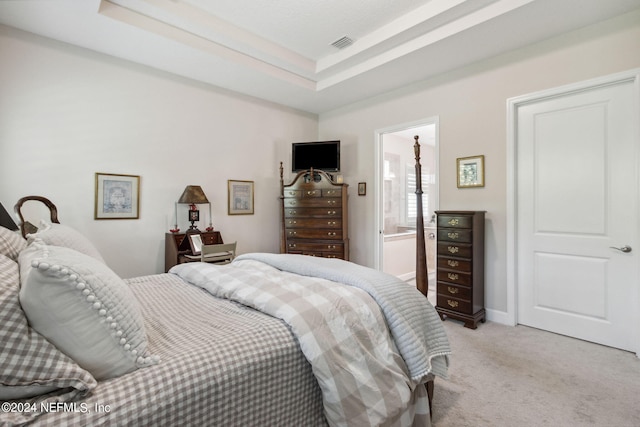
324, 155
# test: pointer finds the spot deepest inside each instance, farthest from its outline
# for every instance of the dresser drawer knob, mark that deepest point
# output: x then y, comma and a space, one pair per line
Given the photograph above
453, 235
292, 245
454, 221
331, 223
292, 202
293, 222
292, 193
292, 212
452, 263
331, 233
453, 290
331, 212
452, 276
331, 202
311, 193
452, 304
331, 246
293, 233
453, 249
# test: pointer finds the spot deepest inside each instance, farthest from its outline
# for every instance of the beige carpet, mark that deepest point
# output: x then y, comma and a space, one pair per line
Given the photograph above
520, 376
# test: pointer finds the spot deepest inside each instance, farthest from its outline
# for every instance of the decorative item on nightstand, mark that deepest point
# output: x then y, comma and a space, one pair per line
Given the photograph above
193, 195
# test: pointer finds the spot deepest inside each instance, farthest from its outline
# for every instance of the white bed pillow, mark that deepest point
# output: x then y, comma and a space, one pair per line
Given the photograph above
11, 243
84, 308
31, 365
63, 235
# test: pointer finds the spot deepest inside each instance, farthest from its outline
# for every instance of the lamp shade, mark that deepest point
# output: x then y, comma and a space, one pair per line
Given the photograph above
193, 195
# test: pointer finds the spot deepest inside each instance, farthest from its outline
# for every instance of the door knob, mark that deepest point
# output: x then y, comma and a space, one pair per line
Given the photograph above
625, 249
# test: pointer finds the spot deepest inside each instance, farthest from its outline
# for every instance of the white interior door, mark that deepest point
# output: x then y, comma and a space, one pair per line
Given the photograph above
577, 219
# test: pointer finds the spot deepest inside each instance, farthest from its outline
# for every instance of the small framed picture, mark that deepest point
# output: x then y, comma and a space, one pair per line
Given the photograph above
117, 196
362, 189
240, 197
195, 242
470, 171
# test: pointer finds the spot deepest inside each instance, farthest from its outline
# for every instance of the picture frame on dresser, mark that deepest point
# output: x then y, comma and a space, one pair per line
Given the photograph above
117, 196
470, 171
195, 243
240, 197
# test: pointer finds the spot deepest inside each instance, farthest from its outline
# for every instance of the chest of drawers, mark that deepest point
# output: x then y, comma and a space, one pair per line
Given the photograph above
314, 216
460, 266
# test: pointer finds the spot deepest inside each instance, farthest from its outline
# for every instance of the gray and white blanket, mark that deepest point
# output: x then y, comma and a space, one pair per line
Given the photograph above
367, 375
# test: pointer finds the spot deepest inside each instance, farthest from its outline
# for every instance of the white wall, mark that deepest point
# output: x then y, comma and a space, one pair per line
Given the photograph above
471, 105
67, 113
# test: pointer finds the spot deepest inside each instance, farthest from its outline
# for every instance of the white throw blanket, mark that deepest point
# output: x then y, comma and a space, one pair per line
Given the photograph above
414, 323
363, 377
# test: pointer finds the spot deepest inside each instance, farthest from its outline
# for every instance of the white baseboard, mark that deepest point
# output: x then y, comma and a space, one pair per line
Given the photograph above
498, 317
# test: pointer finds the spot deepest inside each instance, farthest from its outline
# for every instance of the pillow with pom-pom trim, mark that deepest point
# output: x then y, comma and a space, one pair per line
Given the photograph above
84, 309
63, 235
31, 365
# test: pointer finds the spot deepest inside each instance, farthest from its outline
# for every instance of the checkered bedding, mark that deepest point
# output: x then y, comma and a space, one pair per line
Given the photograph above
222, 364
341, 330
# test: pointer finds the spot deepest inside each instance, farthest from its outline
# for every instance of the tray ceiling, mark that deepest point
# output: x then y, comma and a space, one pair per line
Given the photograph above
283, 50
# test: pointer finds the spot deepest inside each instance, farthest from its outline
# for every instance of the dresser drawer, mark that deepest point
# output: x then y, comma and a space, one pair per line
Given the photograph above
454, 304
454, 264
455, 221
314, 202
292, 193
314, 233
454, 235
331, 192
454, 277
297, 212
311, 193
456, 291
295, 246
463, 250
313, 222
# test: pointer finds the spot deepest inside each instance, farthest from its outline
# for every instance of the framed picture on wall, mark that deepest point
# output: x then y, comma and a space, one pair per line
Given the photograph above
117, 196
470, 171
240, 197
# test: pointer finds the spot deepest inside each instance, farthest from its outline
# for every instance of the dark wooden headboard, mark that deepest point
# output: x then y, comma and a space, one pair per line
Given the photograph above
25, 226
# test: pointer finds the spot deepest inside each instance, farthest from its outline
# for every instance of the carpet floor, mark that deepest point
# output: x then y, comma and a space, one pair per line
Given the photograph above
519, 376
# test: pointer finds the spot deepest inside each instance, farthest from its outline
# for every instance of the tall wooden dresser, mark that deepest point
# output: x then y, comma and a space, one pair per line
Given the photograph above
314, 216
460, 266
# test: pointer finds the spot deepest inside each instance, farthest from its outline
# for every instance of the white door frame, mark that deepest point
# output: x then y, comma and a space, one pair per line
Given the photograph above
379, 169
631, 76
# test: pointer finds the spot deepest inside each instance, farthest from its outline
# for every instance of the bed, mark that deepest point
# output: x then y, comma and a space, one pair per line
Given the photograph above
270, 339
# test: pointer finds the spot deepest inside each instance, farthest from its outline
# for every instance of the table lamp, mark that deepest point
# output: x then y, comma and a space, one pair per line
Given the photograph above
192, 196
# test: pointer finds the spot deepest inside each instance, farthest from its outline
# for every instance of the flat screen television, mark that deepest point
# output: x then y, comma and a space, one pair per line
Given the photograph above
323, 155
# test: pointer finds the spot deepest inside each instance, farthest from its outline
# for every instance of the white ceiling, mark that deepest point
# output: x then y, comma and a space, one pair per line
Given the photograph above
280, 50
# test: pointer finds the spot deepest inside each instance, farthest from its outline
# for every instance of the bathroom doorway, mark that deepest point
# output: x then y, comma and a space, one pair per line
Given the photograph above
396, 252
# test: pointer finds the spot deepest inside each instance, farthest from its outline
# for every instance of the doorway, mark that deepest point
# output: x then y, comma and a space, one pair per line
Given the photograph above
575, 211
396, 200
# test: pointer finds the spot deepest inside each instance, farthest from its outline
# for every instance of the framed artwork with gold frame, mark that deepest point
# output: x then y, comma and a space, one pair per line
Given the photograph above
470, 171
240, 197
117, 196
